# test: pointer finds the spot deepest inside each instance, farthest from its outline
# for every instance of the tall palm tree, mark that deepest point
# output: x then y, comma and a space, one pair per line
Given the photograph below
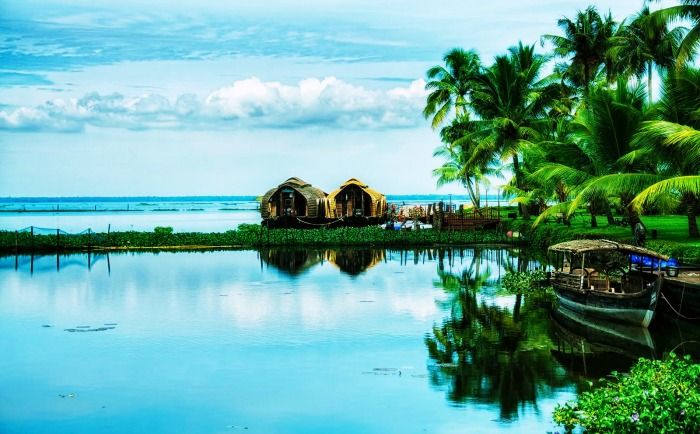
585, 42
673, 143
450, 86
647, 42
462, 164
604, 134
512, 100
688, 10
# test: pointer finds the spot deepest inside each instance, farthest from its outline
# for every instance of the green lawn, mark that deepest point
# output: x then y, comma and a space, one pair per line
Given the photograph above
671, 233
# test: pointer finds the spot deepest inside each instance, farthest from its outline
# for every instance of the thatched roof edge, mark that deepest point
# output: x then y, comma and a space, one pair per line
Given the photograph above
582, 246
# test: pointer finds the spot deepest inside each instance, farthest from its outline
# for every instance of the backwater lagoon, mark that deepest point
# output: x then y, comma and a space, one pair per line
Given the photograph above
294, 341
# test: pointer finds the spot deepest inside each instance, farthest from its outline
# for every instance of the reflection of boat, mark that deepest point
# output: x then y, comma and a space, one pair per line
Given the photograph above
602, 336
608, 280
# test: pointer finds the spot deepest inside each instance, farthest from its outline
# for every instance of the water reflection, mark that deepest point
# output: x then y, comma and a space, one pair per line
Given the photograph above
487, 353
293, 321
291, 261
295, 261
592, 349
355, 261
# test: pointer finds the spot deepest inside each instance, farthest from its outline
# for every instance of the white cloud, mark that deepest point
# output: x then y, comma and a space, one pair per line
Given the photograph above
327, 102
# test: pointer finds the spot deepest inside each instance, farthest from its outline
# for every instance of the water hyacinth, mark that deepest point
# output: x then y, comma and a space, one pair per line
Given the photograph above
648, 399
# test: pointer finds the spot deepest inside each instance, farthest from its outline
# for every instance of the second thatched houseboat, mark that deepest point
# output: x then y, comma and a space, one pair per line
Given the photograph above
354, 199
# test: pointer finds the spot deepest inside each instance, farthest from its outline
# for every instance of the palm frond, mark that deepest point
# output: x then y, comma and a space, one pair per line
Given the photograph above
679, 184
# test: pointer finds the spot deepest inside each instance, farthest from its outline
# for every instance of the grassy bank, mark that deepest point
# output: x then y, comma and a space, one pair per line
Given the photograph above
246, 236
671, 237
671, 234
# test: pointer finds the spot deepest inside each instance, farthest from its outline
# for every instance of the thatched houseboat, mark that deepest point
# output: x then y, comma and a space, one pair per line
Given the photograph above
355, 199
292, 200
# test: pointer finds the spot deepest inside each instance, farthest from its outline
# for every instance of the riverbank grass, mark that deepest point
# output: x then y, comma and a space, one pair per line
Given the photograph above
670, 236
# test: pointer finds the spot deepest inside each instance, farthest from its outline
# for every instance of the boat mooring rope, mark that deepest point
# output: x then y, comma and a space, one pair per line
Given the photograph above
676, 312
319, 224
683, 343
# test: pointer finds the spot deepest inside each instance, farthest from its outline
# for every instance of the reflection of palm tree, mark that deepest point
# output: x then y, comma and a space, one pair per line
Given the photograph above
486, 353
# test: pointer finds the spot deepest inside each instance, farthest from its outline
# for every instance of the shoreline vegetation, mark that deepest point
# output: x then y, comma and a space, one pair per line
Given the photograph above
667, 237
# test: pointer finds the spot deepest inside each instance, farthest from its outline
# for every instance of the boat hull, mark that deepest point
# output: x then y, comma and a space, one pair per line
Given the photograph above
635, 308
683, 294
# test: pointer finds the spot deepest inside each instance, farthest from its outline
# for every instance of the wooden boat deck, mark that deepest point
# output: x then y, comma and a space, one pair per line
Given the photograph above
690, 276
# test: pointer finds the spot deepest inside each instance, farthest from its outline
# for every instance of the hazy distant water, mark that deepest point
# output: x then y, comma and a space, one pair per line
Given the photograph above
187, 214
183, 214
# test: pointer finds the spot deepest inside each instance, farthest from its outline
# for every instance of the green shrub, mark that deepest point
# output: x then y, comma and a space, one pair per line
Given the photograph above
523, 282
655, 397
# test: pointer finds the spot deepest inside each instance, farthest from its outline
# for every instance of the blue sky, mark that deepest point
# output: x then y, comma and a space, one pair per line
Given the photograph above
107, 98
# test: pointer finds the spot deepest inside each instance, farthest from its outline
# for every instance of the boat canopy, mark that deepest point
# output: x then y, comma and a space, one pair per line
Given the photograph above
583, 246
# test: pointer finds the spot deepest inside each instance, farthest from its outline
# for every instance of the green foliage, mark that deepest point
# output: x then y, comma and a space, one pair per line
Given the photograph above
523, 282
246, 236
655, 397
163, 230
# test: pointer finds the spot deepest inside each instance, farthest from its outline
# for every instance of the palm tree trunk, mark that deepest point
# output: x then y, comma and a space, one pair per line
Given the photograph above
634, 218
518, 183
649, 71
609, 214
594, 221
692, 218
561, 195
472, 195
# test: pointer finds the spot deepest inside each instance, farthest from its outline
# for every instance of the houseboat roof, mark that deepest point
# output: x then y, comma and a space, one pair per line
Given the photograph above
583, 246
303, 187
374, 194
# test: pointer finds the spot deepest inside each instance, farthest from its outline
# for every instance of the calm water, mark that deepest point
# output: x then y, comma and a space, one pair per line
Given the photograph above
350, 341
183, 214
188, 214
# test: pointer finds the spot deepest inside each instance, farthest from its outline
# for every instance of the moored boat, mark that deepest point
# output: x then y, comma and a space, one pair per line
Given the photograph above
608, 280
681, 290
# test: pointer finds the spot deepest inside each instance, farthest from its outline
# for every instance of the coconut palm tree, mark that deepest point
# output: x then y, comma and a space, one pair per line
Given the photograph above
586, 42
604, 134
462, 163
511, 99
687, 10
672, 144
644, 43
450, 86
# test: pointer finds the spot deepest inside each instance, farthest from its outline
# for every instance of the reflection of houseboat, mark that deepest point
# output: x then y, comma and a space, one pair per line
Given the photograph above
294, 202
608, 280
354, 200
291, 261
355, 261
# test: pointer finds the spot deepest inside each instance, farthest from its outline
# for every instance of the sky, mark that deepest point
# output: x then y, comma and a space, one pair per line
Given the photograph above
203, 97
